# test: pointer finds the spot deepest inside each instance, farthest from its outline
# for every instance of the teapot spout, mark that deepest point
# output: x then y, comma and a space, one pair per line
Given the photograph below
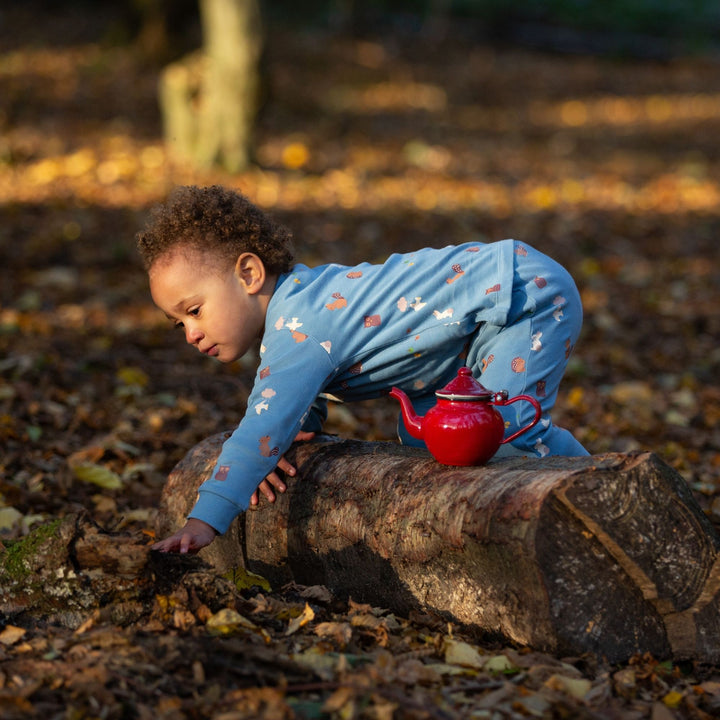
413, 421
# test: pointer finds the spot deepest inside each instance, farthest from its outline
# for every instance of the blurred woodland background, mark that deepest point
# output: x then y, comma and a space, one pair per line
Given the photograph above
589, 129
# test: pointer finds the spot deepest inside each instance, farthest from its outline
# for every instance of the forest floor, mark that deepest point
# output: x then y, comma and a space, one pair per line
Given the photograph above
364, 146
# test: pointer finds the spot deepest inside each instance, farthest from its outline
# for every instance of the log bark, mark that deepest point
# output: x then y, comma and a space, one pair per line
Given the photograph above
607, 554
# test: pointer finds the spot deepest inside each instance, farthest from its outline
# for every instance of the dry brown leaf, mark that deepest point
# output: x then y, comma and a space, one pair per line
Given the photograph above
339, 632
306, 616
11, 634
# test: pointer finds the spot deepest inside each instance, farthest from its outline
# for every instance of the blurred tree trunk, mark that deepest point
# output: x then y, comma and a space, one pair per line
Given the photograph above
209, 99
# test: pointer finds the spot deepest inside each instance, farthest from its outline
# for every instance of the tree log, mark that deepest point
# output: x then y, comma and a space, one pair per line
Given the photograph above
608, 554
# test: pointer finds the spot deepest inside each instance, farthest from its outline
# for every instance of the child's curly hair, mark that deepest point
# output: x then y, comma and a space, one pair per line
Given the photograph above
218, 220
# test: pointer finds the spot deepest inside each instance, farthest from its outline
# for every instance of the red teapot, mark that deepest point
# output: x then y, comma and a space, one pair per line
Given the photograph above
463, 428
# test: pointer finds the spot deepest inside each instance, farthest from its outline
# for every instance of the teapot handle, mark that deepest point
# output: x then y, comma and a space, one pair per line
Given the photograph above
501, 398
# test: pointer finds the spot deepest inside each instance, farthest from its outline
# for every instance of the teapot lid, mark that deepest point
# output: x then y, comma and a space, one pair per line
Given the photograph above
464, 387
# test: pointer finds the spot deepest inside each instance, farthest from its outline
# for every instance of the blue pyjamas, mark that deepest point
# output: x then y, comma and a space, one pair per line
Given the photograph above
504, 309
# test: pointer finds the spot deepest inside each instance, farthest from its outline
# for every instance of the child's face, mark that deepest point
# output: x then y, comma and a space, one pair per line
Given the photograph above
221, 311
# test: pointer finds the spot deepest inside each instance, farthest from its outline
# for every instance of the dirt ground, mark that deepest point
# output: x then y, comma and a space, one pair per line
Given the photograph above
364, 146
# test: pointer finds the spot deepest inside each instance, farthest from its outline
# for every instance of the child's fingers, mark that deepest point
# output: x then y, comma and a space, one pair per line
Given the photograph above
286, 467
266, 489
304, 435
167, 545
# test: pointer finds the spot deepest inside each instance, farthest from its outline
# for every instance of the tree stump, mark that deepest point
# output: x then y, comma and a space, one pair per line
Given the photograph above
608, 554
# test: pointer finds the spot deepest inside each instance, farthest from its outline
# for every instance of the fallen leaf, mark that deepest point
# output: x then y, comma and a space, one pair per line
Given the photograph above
673, 699
463, 654
499, 664
9, 518
340, 632
228, 622
97, 475
322, 663
339, 699
244, 579
306, 616
576, 687
11, 634
366, 620
318, 593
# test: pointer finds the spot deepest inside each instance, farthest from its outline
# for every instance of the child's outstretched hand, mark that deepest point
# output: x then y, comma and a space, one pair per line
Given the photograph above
273, 480
194, 536
197, 534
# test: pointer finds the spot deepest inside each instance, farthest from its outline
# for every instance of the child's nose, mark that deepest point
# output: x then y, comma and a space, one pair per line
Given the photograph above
193, 335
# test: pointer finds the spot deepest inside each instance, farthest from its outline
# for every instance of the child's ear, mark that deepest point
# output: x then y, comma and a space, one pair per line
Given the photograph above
250, 270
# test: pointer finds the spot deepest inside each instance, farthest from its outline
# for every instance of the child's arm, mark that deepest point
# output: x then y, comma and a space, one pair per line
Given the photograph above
197, 534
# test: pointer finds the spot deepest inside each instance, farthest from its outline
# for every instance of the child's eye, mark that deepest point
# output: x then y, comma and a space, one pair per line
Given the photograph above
194, 312
178, 325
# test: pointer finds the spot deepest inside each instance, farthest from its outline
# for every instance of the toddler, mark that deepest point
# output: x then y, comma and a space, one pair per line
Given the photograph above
223, 271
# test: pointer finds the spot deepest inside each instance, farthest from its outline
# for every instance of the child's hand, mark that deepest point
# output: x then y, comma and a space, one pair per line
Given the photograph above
195, 535
273, 480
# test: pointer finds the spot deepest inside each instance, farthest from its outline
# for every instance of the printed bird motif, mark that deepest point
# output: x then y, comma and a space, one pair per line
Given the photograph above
541, 449
447, 313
